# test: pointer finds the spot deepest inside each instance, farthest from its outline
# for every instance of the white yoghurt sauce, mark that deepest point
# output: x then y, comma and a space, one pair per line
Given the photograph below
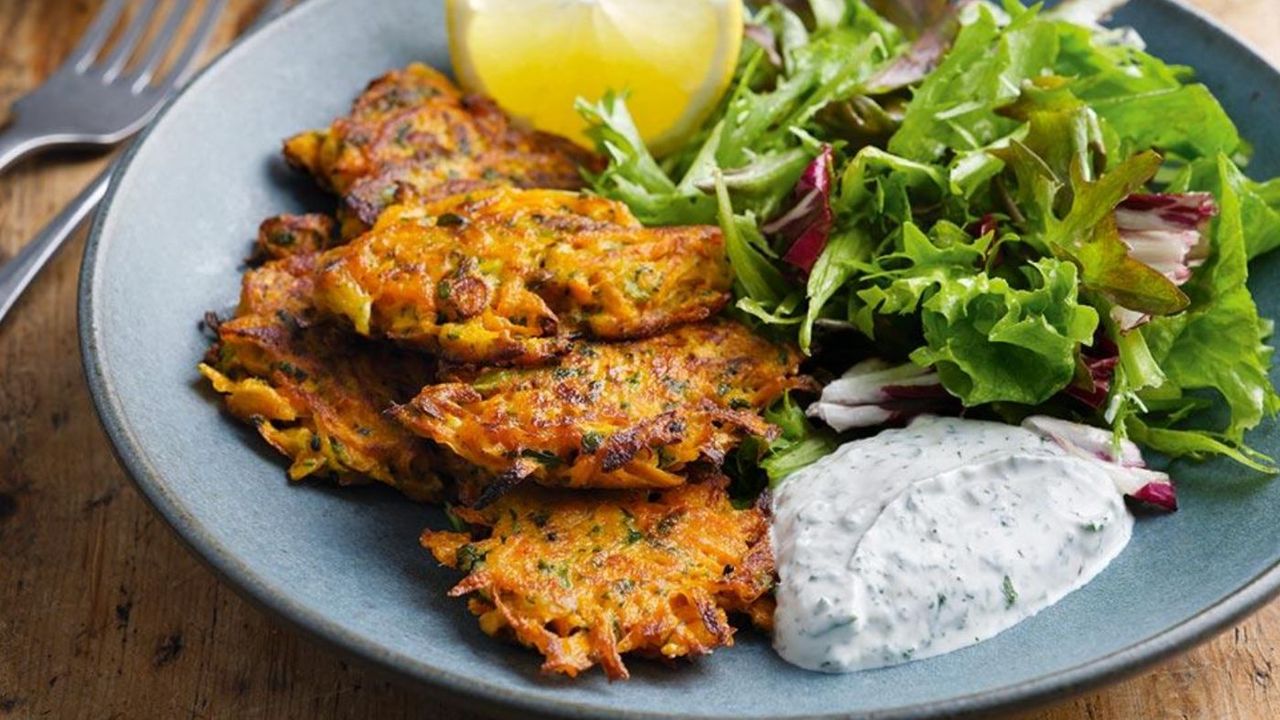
926, 539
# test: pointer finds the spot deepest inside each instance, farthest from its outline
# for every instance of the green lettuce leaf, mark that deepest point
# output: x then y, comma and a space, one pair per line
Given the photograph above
838, 262
758, 463
1186, 121
1107, 69
991, 341
755, 276
633, 176
1260, 214
1194, 444
800, 443
954, 108
830, 66
1144, 102
898, 282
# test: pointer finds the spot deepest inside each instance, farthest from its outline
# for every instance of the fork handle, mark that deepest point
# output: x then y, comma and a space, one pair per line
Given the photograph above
18, 272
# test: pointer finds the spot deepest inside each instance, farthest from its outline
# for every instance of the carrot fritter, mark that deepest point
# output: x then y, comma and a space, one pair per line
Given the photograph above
413, 134
316, 392
585, 577
509, 276
608, 415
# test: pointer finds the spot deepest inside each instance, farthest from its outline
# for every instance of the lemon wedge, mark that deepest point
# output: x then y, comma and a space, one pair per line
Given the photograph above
674, 58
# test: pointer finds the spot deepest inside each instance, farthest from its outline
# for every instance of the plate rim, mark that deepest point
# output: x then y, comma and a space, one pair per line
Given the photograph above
476, 694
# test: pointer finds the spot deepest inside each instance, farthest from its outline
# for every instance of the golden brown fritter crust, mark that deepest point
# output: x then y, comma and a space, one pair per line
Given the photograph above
508, 276
608, 415
318, 393
586, 577
551, 210
413, 135
285, 235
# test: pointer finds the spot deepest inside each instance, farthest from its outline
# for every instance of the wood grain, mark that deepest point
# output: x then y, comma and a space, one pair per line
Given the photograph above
104, 614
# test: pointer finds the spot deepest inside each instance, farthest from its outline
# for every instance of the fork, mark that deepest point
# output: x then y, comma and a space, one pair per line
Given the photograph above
22, 268
94, 98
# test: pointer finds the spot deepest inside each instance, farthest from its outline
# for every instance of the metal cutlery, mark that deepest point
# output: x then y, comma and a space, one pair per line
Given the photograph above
22, 268
95, 97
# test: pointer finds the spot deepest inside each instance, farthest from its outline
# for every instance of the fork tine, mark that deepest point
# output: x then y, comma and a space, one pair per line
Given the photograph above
186, 62
87, 49
123, 49
160, 44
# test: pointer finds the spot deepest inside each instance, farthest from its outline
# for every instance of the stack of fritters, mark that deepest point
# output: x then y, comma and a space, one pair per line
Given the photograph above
476, 331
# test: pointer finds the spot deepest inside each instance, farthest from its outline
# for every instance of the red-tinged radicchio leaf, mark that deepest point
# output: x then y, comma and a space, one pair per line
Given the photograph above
1164, 231
1122, 460
1100, 371
1156, 496
1100, 362
806, 225
1086, 440
983, 225
1157, 210
873, 392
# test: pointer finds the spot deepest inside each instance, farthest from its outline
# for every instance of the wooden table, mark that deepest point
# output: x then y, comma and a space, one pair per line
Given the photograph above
104, 614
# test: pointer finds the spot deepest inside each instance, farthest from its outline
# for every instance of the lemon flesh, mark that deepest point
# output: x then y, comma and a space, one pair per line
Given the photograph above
674, 58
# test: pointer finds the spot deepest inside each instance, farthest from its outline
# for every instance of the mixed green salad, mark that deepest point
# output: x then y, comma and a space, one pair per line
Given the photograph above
1011, 210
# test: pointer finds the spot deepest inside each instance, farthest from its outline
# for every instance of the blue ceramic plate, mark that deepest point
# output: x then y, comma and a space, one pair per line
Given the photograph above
344, 565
